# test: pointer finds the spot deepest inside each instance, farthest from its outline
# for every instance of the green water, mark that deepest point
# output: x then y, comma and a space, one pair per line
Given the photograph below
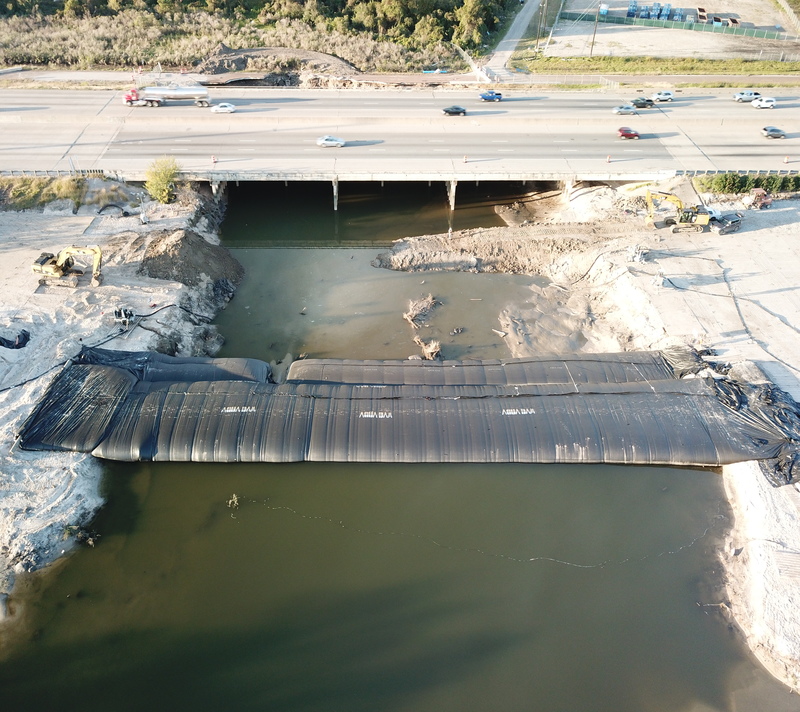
447, 588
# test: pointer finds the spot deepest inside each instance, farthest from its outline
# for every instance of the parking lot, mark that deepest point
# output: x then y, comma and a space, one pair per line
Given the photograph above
573, 38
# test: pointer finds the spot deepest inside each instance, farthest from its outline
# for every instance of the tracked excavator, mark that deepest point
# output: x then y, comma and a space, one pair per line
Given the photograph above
61, 267
693, 218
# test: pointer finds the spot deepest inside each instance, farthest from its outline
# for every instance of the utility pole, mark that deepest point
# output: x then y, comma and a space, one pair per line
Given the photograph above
596, 20
542, 23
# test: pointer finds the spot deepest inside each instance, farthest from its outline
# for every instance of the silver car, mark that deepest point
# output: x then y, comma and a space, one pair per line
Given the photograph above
748, 95
624, 109
330, 142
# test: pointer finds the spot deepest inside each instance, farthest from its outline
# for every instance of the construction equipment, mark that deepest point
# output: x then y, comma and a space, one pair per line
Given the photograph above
688, 219
758, 199
62, 266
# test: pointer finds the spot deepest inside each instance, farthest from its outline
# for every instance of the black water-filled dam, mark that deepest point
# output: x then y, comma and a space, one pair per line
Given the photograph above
630, 408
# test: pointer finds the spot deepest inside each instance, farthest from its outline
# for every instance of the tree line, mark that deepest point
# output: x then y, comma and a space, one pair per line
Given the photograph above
412, 23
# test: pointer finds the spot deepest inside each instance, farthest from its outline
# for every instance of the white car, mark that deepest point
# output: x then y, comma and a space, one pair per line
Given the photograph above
223, 108
663, 96
748, 95
330, 142
763, 102
625, 109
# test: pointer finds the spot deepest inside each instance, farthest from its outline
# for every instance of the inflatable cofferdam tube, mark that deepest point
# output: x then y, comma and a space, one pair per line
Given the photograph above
631, 408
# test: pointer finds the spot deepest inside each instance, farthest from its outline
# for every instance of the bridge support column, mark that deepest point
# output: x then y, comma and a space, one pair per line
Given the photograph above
218, 188
451, 193
566, 188
335, 184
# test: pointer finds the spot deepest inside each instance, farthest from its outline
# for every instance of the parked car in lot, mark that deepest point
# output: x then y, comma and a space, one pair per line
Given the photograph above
625, 132
331, 142
223, 108
663, 96
641, 102
624, 109
773, 132
748, 95
763, 102
454, 111
491, 95
725, 224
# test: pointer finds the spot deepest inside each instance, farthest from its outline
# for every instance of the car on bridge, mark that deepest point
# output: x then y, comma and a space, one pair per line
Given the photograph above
624, 109
223, 108
747, 95
454, 111
773, 132
642, 102
491, 95
664, 95
763, 102
331, 142
626, 132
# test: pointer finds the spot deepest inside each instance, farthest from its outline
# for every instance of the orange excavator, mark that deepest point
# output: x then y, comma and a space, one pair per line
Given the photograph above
62, 266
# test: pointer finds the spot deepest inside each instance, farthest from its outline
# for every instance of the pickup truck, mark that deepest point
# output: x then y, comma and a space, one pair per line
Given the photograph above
491, 95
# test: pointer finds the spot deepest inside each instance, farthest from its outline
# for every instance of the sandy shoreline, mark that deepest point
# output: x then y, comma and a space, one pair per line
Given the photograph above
611, 286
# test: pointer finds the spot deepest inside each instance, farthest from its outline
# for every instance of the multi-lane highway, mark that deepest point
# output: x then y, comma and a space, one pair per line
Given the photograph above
394, 133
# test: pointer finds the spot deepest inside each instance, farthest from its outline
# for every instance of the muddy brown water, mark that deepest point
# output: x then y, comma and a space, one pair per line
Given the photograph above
384, 587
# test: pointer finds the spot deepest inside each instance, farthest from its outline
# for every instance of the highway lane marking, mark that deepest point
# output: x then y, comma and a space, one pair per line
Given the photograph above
506, 150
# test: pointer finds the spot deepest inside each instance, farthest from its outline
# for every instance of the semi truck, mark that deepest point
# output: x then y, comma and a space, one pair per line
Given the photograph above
156, 96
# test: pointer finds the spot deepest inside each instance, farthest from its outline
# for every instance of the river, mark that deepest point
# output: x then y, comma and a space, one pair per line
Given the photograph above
452, 588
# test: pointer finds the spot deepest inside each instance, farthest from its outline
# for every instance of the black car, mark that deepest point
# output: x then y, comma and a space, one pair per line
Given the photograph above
726, 223
454, 111
641, 102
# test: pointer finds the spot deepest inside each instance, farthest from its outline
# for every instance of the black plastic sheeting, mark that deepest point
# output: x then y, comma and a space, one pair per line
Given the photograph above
631, 408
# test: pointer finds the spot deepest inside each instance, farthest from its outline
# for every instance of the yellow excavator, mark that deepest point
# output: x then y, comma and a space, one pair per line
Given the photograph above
62, 265
689, 218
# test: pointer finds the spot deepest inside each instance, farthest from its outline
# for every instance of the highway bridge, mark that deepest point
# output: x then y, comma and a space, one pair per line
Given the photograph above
394, 135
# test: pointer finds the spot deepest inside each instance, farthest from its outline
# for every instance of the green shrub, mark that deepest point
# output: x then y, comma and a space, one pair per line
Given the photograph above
161, 177
735, 183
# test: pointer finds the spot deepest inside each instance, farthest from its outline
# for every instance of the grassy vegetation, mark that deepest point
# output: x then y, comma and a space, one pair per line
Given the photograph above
526, 58
27, 193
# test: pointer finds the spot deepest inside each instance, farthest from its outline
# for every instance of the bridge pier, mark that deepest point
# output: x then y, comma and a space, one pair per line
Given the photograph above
218, 188
451, 193
335, 184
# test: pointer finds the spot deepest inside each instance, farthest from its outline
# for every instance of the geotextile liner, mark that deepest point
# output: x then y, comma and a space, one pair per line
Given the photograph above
644, 408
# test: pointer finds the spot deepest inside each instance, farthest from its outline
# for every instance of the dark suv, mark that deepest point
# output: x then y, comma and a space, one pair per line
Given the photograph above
726, 223
641, 102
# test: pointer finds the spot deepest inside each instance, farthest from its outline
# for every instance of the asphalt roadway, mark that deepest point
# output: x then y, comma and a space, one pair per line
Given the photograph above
395, 133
